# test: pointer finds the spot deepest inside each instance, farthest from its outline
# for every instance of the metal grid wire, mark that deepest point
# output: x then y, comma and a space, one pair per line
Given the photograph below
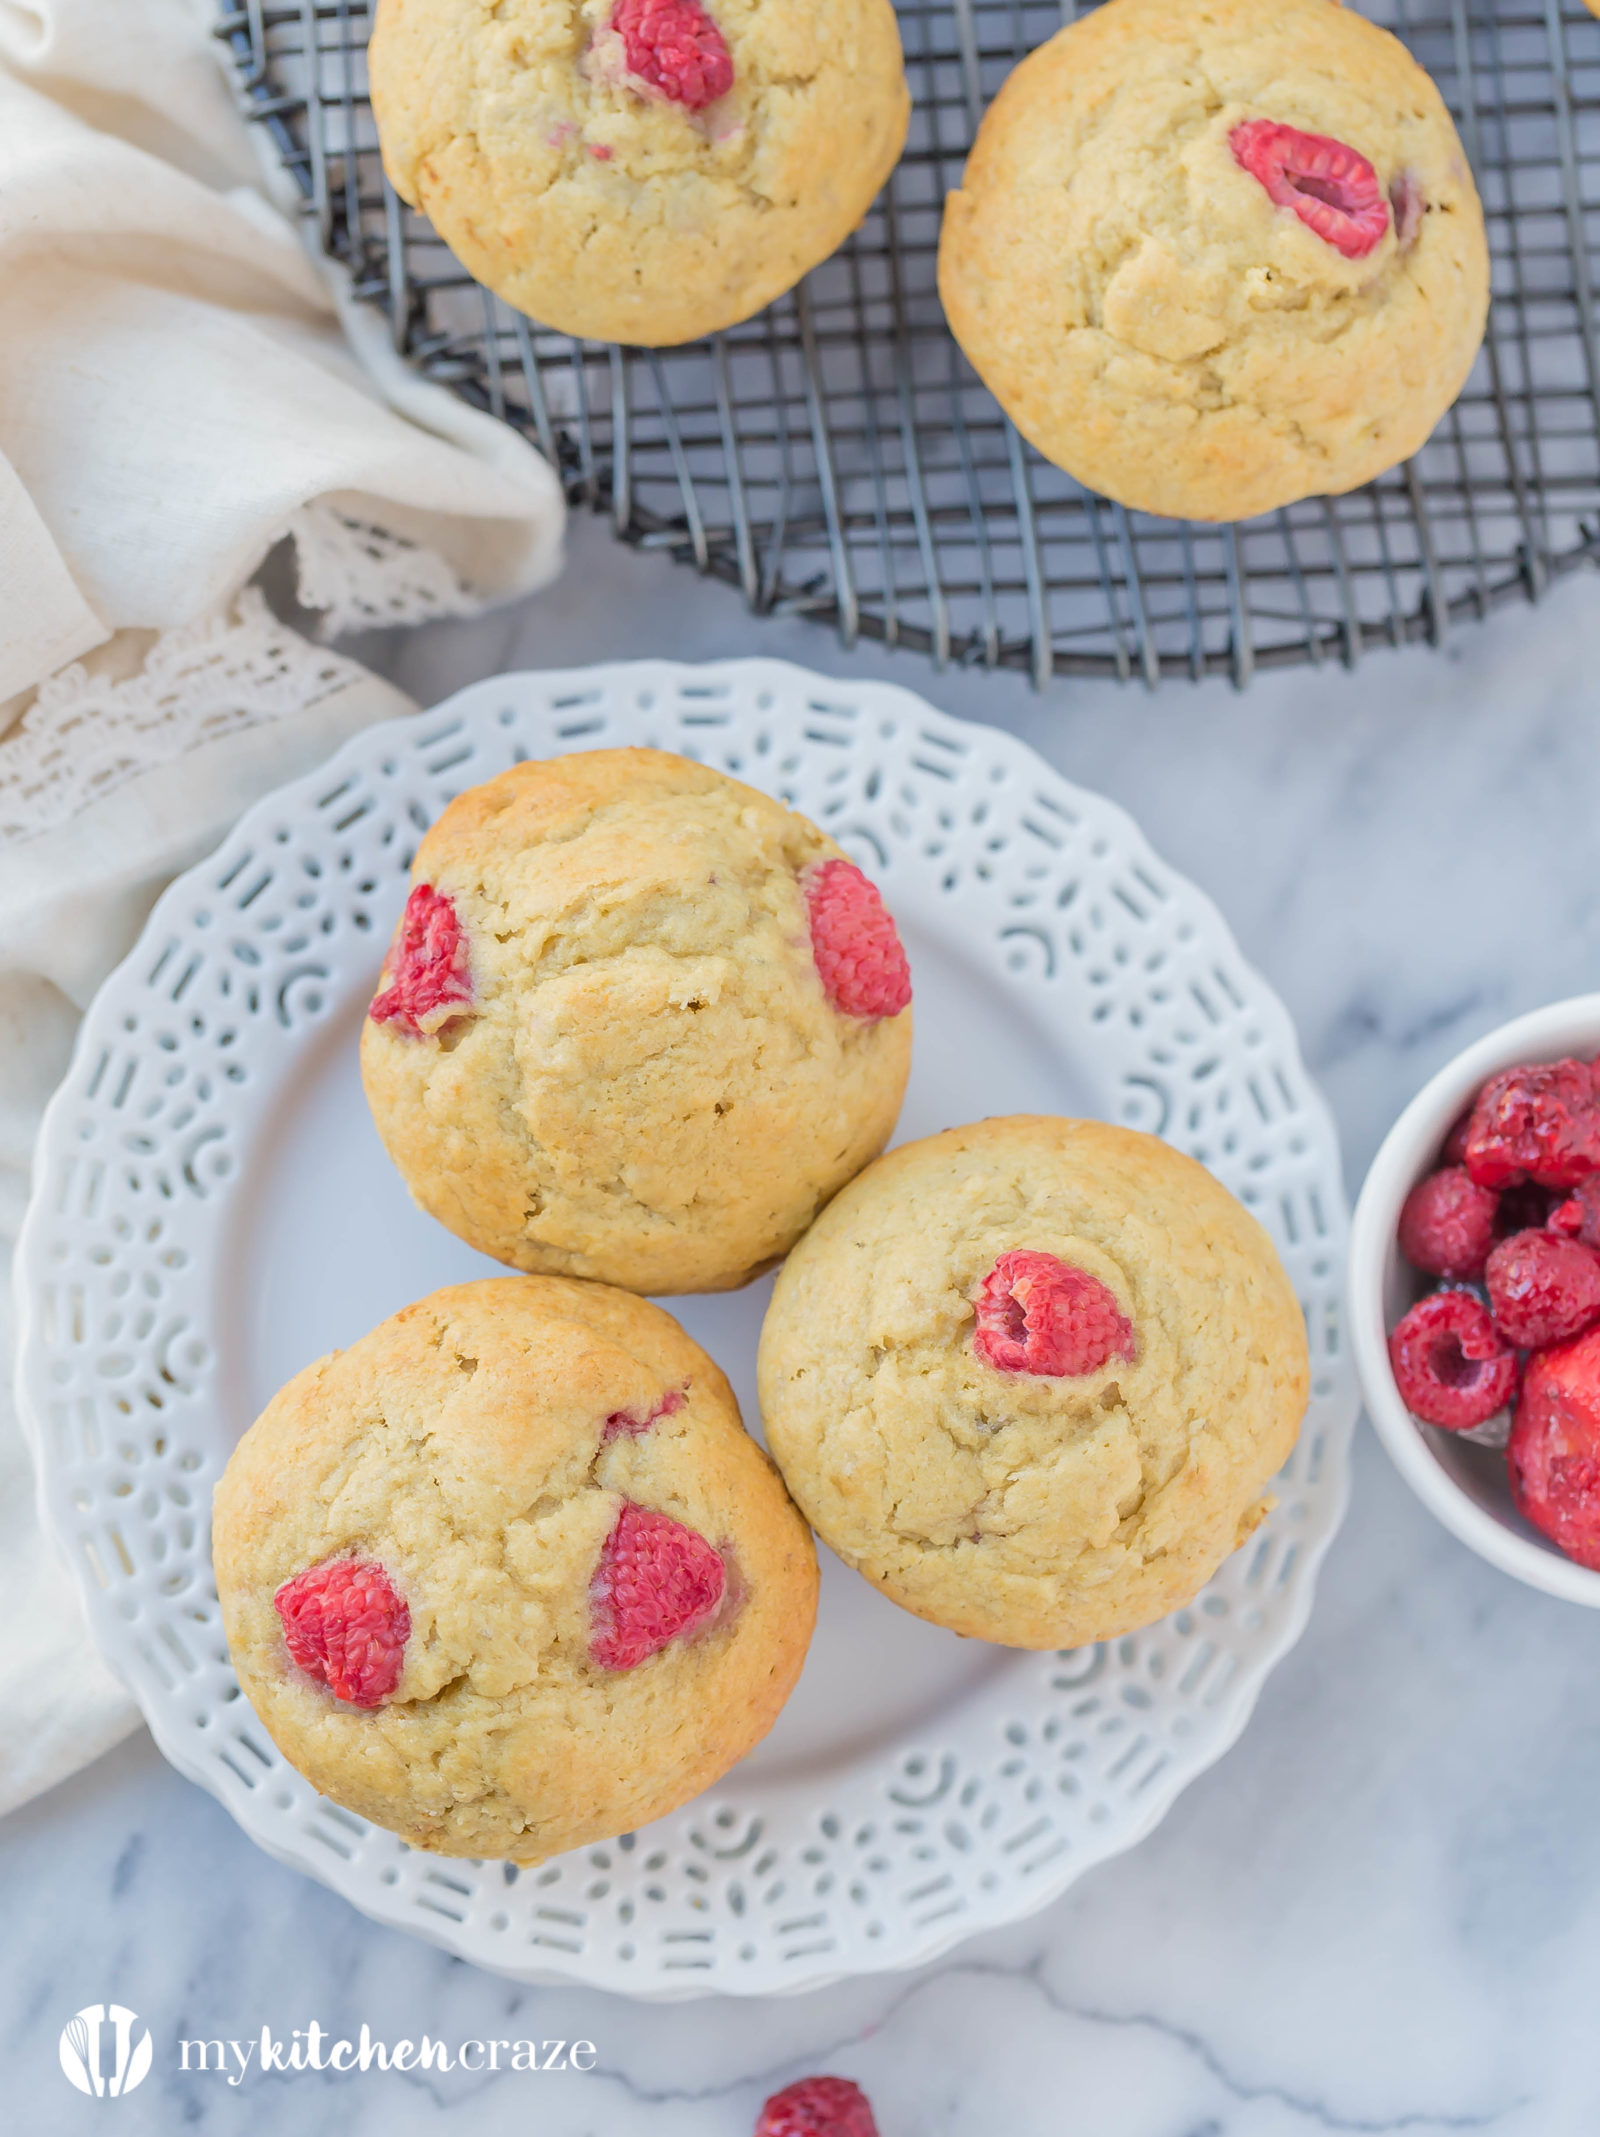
836, 456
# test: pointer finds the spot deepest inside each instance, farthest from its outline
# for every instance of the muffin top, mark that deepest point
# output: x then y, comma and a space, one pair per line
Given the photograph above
639, 1023
1215, 255
639, 170
1030, 1377
508, 1575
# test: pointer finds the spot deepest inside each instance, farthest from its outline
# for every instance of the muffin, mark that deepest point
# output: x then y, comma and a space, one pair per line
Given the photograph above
638, 1023
1031, 1378
508, 1576
639, 170
1212, 256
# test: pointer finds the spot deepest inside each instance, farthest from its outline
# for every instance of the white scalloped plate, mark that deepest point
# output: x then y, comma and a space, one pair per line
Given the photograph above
212, 1209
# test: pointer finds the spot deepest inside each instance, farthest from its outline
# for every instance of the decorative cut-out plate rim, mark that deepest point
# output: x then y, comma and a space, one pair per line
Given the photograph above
995, 773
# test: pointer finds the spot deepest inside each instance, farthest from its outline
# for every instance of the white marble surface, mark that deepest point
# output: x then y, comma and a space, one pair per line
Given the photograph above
1377, 1914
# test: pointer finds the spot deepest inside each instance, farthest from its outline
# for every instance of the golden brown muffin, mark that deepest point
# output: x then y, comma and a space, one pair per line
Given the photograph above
1215, 255
508, 1576
613, 1038
639, 170
1032, 1377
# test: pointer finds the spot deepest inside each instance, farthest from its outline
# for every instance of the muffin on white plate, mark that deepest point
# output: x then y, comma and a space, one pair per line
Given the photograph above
508, 1575
1033, 1377
638, 1023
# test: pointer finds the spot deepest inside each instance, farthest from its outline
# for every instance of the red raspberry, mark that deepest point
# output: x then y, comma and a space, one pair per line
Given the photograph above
674, 48
1333, 189
1455, 1143
622, 1424
1451, 1364
818, 2107
656, 1581
1040, 1315
345, 1625
1542, 1289
1447, 1224
1553, 1454
1540, 1123
1578, 1217
426, 968
855, 942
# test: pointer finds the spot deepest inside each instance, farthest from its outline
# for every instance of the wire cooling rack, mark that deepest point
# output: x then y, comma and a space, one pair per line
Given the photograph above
836, 456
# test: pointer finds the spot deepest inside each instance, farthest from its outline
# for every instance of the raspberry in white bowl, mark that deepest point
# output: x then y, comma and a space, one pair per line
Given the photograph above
1475, 1297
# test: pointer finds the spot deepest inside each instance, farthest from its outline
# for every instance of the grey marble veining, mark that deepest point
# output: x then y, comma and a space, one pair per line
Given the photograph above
1379, 1912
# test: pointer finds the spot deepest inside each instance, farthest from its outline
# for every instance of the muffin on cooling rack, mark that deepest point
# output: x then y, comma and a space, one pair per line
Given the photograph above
1212, 256
1031, 1378
638, 1023
641, 171
508, 1575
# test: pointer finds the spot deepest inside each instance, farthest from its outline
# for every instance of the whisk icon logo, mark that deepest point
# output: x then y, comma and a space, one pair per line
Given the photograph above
99, 2053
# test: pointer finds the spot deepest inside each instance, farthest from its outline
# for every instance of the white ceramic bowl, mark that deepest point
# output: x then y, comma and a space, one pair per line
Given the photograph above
1463, 1484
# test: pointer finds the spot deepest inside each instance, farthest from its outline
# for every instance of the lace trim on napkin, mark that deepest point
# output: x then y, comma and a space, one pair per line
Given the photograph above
362, 576
85, 734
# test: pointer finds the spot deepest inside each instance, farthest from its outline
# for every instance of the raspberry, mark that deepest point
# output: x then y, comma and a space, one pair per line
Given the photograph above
656, 1581
1578, 1217
1451, 1364
426, 968
818, 2107
675, 49
1542, 1289
1540, 1123
1447, 1224
1553, 1454
855, 942
345, 1625
1455, 1143
622, 1424
1040, 1315
1333, 189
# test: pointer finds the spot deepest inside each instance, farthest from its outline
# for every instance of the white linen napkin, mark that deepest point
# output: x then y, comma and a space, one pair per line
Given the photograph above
176, 398
244, 705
